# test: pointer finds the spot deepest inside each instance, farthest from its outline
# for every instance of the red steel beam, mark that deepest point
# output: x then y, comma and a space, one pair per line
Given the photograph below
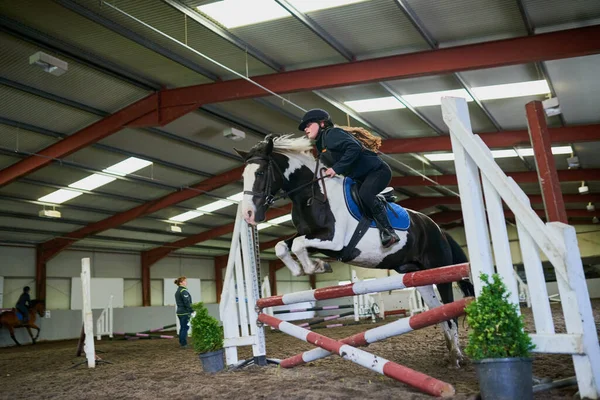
220, 264
54, 246
570, 134
151, 256
522, 50
544, 161
569, 175
447, 217
83, 138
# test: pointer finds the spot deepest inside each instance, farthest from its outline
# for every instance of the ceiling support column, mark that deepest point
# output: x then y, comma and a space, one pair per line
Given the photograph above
544, 161
220, 264
40, 274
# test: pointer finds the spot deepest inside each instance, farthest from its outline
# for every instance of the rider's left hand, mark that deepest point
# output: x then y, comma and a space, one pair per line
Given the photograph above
330, 172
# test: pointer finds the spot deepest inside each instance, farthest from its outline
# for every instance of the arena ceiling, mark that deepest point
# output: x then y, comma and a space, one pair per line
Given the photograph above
130, 91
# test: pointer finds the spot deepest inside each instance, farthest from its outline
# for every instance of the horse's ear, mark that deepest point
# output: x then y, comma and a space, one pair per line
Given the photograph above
241, 153
269, 148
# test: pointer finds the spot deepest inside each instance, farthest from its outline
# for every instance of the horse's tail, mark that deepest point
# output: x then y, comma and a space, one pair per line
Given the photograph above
458, 257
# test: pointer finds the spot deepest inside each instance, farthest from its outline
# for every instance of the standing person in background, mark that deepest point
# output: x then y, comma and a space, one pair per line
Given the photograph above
23, 304
183, 299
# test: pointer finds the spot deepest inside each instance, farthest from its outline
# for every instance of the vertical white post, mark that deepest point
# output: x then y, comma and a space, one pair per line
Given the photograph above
577, 310
500, 243
86, 310
110, 317
227, 309
356, 299
241, 291
534, 271
251, 266
471, 198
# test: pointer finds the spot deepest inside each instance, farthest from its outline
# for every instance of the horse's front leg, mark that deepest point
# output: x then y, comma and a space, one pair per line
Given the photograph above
313, 266
30, 334
282, 251
450, 332
34, 326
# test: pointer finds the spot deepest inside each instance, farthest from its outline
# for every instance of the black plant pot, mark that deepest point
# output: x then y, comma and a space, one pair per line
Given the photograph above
213, 362
505, 378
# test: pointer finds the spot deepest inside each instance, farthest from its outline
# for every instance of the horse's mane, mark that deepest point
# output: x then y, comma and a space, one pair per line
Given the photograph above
287, 143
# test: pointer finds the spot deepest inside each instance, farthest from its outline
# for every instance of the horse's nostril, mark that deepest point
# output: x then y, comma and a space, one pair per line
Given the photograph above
249, 213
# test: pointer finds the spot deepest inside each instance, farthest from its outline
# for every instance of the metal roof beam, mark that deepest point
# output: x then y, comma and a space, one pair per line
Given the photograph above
568, 175
504, 139
547, 46
137, 38
54, 246
447, 217
49, 133
317, 30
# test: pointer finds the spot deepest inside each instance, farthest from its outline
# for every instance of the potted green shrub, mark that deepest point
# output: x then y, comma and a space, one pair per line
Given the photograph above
207, 336
498, 345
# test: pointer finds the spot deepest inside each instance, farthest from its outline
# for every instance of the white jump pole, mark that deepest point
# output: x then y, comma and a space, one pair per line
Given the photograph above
88, 319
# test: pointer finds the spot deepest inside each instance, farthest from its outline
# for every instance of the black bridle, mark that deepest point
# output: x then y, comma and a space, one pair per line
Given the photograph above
270, 178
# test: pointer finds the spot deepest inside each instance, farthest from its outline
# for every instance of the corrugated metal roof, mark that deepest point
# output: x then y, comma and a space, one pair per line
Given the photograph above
502, 75
174, 23
577, 88
19, 139
554, 12
455, 20
24, 107
81, 32
260, 115
371, 28
289, 42
510, 113
81, 84
145, 142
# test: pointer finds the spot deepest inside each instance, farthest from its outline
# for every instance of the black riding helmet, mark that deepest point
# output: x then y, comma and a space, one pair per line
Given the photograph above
314, 115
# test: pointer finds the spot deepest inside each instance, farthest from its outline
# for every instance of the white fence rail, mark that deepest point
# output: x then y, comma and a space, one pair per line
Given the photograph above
104, 323
557, 241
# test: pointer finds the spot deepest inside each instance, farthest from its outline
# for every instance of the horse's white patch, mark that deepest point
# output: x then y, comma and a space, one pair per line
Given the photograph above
249, 177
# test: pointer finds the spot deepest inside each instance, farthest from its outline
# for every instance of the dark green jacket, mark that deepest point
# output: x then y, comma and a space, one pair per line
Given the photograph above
183, 299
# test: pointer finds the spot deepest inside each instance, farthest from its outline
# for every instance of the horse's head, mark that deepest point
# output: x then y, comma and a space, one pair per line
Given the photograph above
39, 306
263, 178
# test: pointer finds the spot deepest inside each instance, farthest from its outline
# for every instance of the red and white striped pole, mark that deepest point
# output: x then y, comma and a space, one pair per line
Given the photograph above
423, 382
396, 328
447, 274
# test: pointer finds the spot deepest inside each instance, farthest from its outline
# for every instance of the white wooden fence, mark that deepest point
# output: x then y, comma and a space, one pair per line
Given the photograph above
475, 166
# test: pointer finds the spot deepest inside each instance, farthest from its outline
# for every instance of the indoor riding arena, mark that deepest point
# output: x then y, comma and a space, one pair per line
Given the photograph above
293, 199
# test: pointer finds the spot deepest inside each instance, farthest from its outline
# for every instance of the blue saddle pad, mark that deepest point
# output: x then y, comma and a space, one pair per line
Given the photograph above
19, 315
399, 219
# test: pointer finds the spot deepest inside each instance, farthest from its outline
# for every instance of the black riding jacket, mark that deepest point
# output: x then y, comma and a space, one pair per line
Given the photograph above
23, 302
183, 299
345, 154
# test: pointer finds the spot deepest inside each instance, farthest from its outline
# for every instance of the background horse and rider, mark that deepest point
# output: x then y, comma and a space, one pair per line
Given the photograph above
13, 319
328, 221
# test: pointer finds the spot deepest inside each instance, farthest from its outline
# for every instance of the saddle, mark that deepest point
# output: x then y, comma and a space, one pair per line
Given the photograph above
398, 216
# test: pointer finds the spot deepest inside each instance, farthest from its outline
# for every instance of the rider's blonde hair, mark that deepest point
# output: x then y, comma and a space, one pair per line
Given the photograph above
369, 140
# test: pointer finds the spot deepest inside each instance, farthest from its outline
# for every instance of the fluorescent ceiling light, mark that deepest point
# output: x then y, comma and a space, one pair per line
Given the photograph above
506, 153
217, 205
236, 197
434, 98
237, 13
128, 166
377, 104
186, 216
60, 196
92, 182
282, 219
274, 221
509, 90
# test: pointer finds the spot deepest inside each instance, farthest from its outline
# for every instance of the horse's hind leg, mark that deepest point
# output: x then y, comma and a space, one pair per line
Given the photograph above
449, 328
12, 335
282, 251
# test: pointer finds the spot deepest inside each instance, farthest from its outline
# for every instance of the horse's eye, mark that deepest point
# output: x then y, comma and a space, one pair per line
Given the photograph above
260, 173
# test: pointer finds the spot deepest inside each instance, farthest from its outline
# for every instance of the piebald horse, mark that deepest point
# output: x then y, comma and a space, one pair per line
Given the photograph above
325, 223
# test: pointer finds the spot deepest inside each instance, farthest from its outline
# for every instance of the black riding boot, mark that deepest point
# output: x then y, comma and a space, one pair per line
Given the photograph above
386, 232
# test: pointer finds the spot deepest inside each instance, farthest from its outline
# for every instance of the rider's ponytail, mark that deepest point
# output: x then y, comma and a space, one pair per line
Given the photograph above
370, 141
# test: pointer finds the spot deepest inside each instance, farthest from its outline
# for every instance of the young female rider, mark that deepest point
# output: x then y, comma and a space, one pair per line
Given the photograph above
183, 299
345, 155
